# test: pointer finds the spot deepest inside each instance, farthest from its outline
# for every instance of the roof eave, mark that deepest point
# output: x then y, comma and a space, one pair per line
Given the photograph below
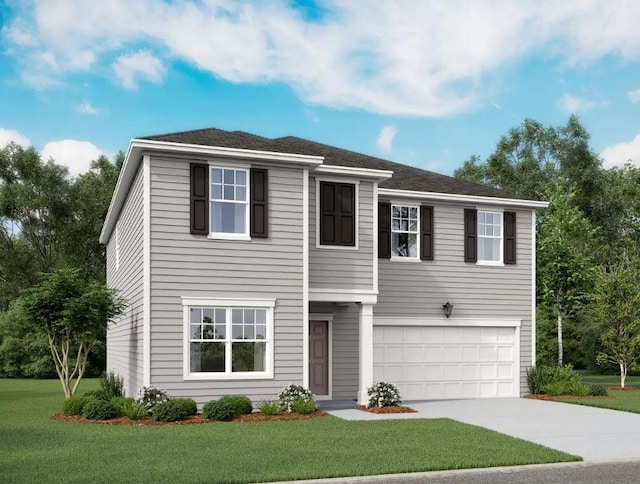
452, 197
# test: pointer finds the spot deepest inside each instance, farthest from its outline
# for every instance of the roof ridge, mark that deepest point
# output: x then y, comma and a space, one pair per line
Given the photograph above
187, 131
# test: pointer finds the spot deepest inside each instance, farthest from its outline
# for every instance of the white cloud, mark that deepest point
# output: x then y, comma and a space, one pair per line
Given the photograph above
9, 135
86, 108
75, 155
432, 65
385, 139
573, 104
634, 96
142, 65
621, 153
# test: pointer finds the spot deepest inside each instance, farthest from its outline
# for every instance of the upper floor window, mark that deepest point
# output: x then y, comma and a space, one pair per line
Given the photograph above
489, 236
229, 202
337, 214
405, 224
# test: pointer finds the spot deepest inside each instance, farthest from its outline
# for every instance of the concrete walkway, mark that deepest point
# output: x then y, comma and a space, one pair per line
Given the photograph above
594, 434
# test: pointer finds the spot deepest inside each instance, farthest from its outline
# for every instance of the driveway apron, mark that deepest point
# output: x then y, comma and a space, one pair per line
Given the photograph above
595, 434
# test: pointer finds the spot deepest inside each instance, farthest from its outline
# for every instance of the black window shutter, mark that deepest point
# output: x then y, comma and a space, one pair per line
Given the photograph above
199, 207
470, 235
258, 203
328, 213
347, 214
384, 230
426, 233
509, 237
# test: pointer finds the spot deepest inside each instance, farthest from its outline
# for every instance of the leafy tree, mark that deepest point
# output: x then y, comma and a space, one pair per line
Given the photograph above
616, 306
564, 257
74, 314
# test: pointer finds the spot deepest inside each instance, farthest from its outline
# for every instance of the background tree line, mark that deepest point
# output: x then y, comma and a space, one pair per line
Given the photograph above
588, 240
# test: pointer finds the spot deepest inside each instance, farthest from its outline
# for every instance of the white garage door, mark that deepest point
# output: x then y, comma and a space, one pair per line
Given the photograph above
436, 362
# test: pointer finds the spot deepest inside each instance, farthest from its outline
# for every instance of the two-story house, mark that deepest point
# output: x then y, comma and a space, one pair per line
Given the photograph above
250, 263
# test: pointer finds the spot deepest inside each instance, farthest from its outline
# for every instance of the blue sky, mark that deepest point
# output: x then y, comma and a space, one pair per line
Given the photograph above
427, 83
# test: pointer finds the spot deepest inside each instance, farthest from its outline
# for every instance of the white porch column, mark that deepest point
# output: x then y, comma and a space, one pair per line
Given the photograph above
366, 351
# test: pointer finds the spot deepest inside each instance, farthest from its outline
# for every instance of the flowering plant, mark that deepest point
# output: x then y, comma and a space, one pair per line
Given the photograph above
151, 396
383, 394
293, 392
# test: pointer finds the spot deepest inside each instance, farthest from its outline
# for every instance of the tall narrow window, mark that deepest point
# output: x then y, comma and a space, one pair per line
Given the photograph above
229, 201
489, 236
405, 226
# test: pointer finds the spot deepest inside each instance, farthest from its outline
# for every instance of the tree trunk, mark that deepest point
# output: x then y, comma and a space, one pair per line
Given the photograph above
623, 374
560, 350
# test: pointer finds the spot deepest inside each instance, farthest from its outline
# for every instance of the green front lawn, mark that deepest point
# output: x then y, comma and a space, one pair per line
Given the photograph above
34, 448
627, 401
607, 380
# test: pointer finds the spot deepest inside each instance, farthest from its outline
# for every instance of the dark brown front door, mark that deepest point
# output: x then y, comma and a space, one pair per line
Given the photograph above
319, 357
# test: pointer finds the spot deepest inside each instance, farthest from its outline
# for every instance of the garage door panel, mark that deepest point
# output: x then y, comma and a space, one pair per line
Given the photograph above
435, 362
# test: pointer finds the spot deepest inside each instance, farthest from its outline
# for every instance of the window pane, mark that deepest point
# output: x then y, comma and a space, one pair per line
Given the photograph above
248, 356
221, 331
196, 332
261, 331
208, 331
489, 249
241, 177
404, 212
217, 175
228, 217
221, 315
396, 224
216, 192
249, 331
413, 225
395, 212
207, 315
481, 217
236, 331
241, 194
207, 357
261, 316
404, 245
404, 225
236, 316
229, 177
413, 212
196, 315
249, 316
228, 192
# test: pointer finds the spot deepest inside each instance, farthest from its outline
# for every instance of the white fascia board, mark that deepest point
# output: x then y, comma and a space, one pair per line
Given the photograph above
451, 197
357, 172
138, 146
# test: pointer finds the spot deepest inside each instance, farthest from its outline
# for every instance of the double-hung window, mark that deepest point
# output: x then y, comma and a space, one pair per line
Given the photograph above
229, 201
489, 236
405, 227
227, 341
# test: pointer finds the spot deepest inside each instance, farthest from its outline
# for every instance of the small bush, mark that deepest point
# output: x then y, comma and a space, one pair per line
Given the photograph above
99, 410
565, 374
383, 394
302, 406
151, 396
96, 395
269, 407
218, 410
291, 392
120, 403
535, 379
111, 386
598, 391
189, 405
135, 410
555, 388
74, 405
577, 389
169, 411
241, 404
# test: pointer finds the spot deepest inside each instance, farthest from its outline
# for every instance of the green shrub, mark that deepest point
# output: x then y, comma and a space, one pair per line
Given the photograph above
383, 394
111, 386
577, 389
189, 405
151, 396
269, 407
565, 374
291, 392
535, 379
120, 403
97, 395
241, 404
555, 388
99, 410
302, 406
135, 410
218, 410
598, 391
169, 411
74, 405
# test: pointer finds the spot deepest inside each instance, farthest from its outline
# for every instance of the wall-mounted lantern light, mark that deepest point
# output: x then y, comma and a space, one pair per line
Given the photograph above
447, 308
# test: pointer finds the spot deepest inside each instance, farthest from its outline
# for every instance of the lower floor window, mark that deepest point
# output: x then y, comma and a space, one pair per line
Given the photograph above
228, 340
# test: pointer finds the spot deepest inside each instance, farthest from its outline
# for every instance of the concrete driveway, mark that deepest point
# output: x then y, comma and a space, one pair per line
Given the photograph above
594, 434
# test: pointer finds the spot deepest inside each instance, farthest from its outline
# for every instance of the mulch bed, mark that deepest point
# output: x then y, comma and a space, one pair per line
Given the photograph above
193, 419
390, 409
625, 389
565, 397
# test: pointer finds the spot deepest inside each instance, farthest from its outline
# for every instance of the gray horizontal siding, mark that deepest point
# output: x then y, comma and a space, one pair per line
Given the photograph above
343, 268
187, 265
125, 337
410, 289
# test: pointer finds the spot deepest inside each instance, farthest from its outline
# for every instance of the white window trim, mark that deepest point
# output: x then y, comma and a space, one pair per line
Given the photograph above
268, 304
494, 263
357, 202
247, 221
397, 257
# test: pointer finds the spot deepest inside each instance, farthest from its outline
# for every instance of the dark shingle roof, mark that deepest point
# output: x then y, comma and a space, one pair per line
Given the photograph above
405, 177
